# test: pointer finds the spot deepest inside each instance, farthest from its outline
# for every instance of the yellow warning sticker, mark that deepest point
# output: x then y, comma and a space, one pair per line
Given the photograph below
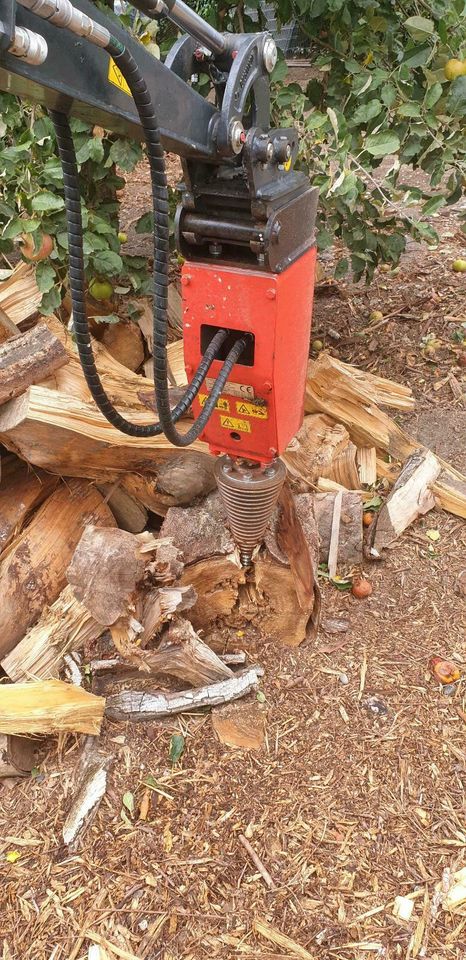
221, 404
232, 423
252, 410
116, 77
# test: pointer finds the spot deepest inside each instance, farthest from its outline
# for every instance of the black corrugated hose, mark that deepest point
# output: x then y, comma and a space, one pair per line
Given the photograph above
167, 418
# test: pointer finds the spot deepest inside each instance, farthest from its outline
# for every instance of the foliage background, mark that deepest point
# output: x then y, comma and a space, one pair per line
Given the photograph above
377, 101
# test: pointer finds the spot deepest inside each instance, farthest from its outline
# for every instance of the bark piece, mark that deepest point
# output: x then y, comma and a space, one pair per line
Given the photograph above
129, 514
142, 705
185, 478
49, 706
350, 541
17, 755
91, 786
104, 571
63, 626
200, 531
22, 489
72, 438
27, 359
411, 497
240, 725
123, 341
292, 948
19, 295
33, 572
335, 535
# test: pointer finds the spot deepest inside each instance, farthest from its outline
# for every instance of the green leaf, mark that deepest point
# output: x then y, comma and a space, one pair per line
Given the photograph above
432, 205
50, 301
433, 535
383, 143
109, 318
417, 56
125, 154
367, 111
260, 696
145, 224
96, 150
388, 94
409, 110
128, 801
315, 120
456, 100
107, 262
433, 95
341, 268
47, 202
176, 750
419, 27
45, 276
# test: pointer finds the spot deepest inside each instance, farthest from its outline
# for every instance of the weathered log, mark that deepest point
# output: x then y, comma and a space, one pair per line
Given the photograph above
143, 705
27, 359
72, 438
22, 489
63, 626
49, 706
17, 755
411, 497
34, 571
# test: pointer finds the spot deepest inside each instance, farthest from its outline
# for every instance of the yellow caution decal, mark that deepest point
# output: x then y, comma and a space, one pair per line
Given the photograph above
221, 404
116, 77
252, 410
232, 423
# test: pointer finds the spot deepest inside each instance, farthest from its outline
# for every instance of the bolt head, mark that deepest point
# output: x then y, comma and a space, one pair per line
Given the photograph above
237, 136
270, 54
271, 293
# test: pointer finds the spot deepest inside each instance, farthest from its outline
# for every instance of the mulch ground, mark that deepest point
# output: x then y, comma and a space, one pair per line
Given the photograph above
358, 795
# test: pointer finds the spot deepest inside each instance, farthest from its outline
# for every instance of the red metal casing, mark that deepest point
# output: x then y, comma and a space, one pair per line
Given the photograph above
262, 406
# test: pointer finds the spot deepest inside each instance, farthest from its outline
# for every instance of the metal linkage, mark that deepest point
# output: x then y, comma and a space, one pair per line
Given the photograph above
29, 46
62, 13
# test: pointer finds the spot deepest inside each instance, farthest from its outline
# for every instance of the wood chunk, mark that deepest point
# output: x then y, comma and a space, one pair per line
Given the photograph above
124, 342
27, 359
174, 317
315, 447
293, 543
139, 705
350, 541
181, 653
49, 706
185, 478
22, 489
8, 329
33, 572
366, 459
129, 514
17, 755
104, 571
216, 582
240, 725
19, 295
450, 490
63, 626
91, 786
72, 438
144, 489
411, 497
200, 531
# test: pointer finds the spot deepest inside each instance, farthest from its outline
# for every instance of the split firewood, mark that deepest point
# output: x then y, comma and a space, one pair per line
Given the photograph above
17, 755
411, 497
20, 296
22, 489
174, 317
181, 653
350, 529
70, 437
322, 448
366, 459
63, 626
104, 571
129, 513
91, 779
33, 572
28, 358
136, 705
240, 725
124, 342
8, 329
144, 489
49, 706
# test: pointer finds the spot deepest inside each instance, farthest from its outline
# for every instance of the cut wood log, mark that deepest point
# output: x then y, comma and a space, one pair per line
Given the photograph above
27, 359
72, 438
17, 755
91, 781
129, 513
366, 459
49, 706
22, 489
316, 450
240, 725
411, 497
123, 341
20, 296
350, 534
104, 571
33, 572
140, 705
65, 625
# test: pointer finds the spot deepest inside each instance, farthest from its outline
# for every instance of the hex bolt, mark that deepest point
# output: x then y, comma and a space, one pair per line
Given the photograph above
269, 54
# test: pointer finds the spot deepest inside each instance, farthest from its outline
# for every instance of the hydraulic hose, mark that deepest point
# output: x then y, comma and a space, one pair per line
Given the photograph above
167, 418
